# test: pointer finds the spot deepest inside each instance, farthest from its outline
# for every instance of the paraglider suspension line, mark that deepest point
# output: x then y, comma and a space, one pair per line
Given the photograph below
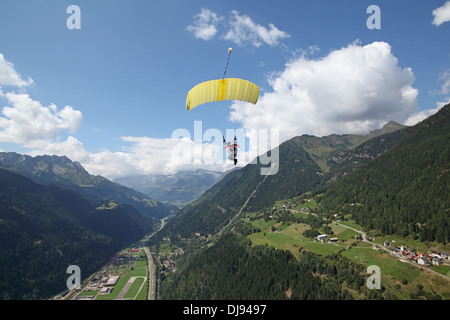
226, 67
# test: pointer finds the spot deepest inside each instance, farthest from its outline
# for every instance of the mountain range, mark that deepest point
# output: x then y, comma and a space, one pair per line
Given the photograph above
46, 228
53, 213
178, 189
62, 171
306, 163
391, 182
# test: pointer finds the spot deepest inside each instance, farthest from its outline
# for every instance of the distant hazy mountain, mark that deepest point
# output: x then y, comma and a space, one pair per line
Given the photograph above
69, 174
177, 189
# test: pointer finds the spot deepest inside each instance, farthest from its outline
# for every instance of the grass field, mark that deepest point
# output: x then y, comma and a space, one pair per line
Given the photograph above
400, 278
134, 289
140, 271
289, 238
395, 274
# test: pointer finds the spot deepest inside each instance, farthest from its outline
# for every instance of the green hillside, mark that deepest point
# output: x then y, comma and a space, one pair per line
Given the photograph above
394, 184
71, 175
44, 229
406, 190
306, 163
232, 269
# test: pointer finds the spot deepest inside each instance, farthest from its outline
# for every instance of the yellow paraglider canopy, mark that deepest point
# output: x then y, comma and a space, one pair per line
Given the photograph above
223, 89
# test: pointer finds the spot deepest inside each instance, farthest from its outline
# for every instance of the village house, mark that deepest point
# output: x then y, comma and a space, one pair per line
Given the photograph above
436, 261
406, 250
321, 237
169, 263
395, 249
435, 254
433, 257
423, 261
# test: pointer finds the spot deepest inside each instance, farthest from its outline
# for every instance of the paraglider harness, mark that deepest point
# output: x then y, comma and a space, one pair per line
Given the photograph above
231, 149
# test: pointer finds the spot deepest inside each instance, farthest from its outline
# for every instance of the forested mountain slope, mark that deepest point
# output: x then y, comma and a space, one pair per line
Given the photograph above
69, 174
44, 229
233, 269
306, 163
393, 183
406, 189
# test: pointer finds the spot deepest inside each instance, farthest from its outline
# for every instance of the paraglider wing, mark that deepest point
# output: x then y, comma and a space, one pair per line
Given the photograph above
223, 89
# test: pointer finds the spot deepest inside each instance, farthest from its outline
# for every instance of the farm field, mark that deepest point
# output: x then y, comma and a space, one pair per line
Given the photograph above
132, 271
132, 284
290, 237
403, 280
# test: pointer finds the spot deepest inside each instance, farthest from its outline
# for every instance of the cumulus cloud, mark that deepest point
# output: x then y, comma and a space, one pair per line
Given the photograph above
24, 119
144, 155
104, 162
9, 76
422, 115
27, 120
354, 89
205, 24
441, 14
445, 79
240, 29
38, 128
351, 90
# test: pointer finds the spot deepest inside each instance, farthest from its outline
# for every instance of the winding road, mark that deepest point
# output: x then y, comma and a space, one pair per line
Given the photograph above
401, 258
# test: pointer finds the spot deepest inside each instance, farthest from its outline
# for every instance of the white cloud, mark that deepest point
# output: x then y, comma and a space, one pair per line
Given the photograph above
354, 89
441, 14
36, 127
27, 120
445, 79
144, 156
205, 24
242, 30
351, 90
104, 162
422, 115
9, 76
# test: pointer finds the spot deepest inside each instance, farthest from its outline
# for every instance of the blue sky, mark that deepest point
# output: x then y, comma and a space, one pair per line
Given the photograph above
111, 94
